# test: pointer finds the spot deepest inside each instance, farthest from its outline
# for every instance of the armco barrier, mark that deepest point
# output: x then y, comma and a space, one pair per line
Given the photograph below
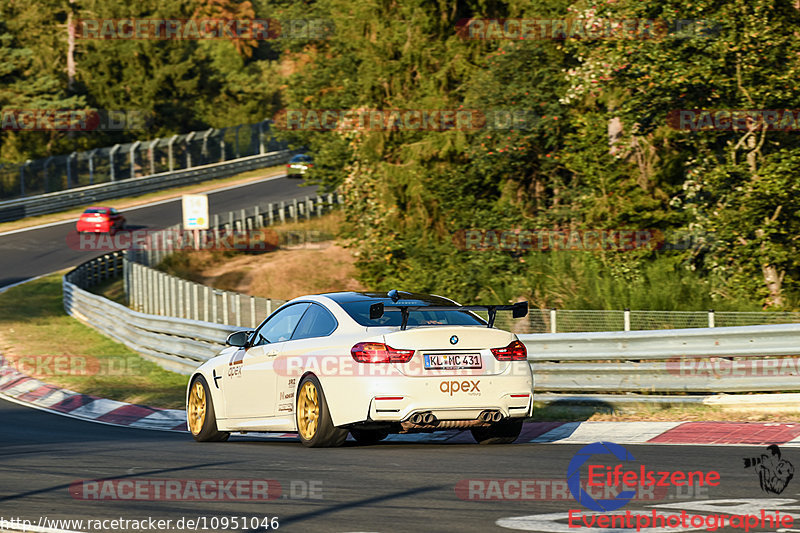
696, 360
177, 344
710, 360
57, 201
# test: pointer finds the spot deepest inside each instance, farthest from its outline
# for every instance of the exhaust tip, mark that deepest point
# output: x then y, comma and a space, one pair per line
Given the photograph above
416, 418
428, 418
497, 416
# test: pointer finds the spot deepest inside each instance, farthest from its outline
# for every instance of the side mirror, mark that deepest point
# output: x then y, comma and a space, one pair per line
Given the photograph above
238, 338
519, 309
376, 311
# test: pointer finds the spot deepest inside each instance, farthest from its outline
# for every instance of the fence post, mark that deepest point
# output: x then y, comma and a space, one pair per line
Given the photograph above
196, 298
711, 318
22, 177
238, 313
132, 153
90, 156
626, 318
179, 298
206, 303
70, 157
269, 306
126, 276
151, 152
171, 152
111, 154
270, 214
214, 307
188, 139
253, 312
162, 300
224, 307
553, 320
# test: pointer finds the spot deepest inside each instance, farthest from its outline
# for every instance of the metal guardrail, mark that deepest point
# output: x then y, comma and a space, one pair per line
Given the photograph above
177, 344
702, 360
58, 201
711, 360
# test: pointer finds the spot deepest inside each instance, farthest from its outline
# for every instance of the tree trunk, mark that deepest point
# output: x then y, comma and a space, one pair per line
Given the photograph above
774, 282
70, 47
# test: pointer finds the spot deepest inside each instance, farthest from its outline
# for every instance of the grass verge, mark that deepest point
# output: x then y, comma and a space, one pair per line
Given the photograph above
41, 340
655, 413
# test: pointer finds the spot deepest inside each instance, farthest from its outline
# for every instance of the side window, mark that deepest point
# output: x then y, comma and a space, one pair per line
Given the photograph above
317, 322
279, 327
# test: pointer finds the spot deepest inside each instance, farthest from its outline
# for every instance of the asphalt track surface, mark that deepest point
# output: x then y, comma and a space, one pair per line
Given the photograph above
383, 488
409, 486
39, 251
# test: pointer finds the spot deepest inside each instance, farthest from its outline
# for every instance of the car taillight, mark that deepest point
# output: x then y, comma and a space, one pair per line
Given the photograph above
310, 165
513, 352
378, 352
288, 166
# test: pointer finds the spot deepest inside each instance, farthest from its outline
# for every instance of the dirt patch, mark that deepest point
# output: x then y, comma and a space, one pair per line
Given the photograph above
282, 274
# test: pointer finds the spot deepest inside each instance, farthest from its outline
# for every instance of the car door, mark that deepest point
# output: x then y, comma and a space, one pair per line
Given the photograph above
309, 340
249, 382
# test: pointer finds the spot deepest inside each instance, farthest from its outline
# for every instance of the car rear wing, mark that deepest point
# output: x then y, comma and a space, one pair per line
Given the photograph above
518, 310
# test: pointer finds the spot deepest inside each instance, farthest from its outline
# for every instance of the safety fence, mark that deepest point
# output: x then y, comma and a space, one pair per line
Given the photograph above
578, 320
155, 292
136, 159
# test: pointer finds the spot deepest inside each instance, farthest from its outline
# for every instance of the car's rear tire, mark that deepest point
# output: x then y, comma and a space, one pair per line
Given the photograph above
369, 436
503, 432
314, 422
200, 413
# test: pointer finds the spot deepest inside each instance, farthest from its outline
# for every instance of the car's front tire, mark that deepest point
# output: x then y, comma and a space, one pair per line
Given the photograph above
314, 422
200, 413
503, 432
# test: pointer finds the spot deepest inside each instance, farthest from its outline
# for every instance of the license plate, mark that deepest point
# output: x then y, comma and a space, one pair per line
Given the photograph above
442, 361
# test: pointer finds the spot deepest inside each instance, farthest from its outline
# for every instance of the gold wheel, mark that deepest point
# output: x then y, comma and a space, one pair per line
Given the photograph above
197, 408
308, 410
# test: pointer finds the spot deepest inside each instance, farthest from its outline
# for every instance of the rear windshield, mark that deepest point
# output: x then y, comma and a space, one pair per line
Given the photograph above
100, 210
393, 317
300, 159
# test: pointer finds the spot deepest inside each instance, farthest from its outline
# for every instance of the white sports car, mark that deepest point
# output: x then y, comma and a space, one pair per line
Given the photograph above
369, 364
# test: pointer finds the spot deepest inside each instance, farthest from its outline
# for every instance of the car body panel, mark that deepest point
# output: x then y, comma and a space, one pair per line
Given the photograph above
100, 220
255, 389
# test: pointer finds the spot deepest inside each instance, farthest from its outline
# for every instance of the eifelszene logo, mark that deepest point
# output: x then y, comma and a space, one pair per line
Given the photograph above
610, 478
774, 473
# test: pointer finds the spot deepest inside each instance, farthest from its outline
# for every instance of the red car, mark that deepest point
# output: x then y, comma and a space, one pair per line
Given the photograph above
100, 220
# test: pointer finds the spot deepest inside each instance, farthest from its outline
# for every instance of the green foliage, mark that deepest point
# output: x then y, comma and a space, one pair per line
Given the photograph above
591, 147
